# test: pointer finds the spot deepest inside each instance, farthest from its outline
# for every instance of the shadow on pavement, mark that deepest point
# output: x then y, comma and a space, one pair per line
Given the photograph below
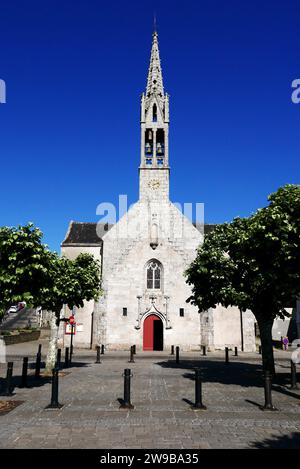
279, 442
235, 372
242, 374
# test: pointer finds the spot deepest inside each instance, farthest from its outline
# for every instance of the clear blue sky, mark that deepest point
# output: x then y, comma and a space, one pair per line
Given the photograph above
69, 132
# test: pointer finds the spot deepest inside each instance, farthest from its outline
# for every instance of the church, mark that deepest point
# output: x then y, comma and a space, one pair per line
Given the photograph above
144, 256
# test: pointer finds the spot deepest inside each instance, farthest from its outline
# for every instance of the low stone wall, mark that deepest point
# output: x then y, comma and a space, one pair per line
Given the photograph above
21, 337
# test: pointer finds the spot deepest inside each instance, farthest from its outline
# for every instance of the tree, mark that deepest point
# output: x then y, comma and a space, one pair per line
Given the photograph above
253, 263
24, 265
30, 272
71, 283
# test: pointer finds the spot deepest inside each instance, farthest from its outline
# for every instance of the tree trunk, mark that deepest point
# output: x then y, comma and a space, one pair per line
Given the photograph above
265, 329
52, 350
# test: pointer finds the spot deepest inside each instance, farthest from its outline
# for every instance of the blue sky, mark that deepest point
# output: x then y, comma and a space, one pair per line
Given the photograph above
74, 70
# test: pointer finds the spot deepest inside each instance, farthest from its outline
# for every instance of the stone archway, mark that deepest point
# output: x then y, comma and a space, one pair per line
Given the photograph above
153, 333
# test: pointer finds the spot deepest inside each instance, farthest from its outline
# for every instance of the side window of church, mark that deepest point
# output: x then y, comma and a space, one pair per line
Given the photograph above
153, 275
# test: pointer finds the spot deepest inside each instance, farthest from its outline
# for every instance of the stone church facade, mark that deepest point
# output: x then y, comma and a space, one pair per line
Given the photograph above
144, 255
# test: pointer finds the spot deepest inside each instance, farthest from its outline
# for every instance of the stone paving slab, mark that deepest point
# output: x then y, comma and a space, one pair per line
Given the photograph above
162, 393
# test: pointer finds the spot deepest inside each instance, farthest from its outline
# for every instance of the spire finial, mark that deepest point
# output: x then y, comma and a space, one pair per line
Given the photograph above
154, 22
155, 80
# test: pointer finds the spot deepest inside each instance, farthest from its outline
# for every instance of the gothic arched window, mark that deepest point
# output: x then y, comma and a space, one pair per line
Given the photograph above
154, 275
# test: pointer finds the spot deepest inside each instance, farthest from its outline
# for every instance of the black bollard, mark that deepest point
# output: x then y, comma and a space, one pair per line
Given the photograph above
172, 349
259, 349
294, 384
24, 373
98, 354
38, 365
8, 384
235, 351
54, 404
177, 355
67, 357
58, 358
226, 355
198, 391
131, 360
134, 349
268, 392
204, 350
102, 349
126, 402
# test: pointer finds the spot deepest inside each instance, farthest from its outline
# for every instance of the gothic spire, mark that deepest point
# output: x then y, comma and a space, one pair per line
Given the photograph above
155, 80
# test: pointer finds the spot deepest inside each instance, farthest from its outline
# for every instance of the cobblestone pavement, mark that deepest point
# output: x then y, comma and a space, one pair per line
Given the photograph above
162, 393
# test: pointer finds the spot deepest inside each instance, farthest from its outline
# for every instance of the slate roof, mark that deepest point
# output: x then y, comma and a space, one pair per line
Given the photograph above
90, 234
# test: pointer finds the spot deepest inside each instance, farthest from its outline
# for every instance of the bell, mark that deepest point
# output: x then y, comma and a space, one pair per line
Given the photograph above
159, 149
148, 148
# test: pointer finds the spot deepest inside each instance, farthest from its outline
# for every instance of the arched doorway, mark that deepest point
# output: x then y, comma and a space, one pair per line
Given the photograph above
153, 333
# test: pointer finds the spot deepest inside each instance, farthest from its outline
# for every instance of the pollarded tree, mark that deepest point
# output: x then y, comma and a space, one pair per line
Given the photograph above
72, 282
24, 264
253, 263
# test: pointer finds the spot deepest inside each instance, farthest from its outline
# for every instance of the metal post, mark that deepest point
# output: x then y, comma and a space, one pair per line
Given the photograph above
204, 350
54, 404
242, 330
92, 330
134, 349
67, 357
98, 354
235, 351
198, 391
126, 401
40, 349
9, 387
177, 355
71, 345
38, 365
172, 349
259, 349
294, 384
102, 349
268, 392
58, 358
226, 355
131, 355
24, 373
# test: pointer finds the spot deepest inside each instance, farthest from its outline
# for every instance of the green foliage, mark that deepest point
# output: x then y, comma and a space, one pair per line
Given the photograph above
71, 282
23, 270
252, 263
30, 272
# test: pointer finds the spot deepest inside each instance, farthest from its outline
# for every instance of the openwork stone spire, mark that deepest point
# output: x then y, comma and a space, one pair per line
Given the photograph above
154, 168
155, 80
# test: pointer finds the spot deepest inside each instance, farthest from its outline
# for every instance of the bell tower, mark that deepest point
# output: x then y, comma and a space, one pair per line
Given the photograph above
154, 168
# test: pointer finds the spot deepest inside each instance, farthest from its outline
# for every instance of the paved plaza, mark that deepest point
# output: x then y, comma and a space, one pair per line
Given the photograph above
162, 393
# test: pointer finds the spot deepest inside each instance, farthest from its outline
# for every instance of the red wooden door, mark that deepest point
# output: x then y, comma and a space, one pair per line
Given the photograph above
148, 336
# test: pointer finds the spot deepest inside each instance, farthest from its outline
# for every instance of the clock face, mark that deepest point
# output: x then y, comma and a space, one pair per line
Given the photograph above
153, 184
